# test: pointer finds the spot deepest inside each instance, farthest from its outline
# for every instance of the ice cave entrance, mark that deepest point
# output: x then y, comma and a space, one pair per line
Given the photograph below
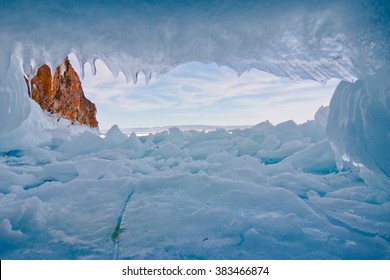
196, 94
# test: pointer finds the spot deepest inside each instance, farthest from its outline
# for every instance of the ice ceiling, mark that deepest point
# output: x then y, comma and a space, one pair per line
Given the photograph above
296, 39
348, 40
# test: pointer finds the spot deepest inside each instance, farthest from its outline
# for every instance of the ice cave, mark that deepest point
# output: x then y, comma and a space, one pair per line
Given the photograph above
320, 190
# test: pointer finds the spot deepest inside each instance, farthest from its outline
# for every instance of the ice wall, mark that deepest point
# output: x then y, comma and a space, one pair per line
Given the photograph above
22, 123
359, 122
14, 103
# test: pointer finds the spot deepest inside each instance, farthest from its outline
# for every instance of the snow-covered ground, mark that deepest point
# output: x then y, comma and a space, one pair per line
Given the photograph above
265, 192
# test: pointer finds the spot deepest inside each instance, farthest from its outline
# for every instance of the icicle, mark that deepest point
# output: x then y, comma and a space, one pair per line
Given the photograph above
148, 77
93, 67
81, 62
28, 69
82, 73
127, 76
135, 77
113, 69
115, 73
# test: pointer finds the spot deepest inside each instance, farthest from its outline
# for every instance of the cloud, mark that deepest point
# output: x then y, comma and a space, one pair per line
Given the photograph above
194, 91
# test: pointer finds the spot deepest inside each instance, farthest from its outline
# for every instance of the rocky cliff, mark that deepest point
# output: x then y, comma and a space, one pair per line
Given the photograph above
62, 94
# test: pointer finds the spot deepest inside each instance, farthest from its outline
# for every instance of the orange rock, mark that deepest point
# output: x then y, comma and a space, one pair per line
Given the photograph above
41, 87
62, 94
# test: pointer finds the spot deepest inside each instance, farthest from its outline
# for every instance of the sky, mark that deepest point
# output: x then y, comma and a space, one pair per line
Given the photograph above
201, 94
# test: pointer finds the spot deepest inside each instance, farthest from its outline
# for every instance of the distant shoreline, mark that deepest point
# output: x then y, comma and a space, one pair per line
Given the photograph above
142, 131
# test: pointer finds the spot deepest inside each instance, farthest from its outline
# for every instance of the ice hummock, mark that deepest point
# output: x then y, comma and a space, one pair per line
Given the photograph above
190, 195
347, 40
269, 191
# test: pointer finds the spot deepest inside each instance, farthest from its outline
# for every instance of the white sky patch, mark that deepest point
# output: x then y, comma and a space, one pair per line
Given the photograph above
196, 93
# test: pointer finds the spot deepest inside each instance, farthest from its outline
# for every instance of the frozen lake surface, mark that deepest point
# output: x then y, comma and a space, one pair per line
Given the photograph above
265, 192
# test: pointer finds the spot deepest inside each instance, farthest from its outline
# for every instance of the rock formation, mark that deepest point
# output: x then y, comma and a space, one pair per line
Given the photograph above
62, 94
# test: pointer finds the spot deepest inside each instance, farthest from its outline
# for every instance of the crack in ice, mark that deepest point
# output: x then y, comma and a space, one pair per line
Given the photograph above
118, 229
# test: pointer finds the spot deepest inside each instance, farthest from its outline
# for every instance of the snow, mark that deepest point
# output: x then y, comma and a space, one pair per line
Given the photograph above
190, 195
266, 192
347, 40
